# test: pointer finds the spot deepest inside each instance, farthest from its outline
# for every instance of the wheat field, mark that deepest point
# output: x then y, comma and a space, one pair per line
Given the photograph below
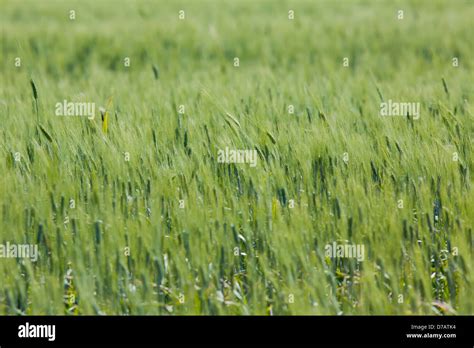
133, 211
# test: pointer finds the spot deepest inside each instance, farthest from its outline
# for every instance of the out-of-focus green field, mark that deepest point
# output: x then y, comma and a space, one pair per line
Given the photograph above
238, 246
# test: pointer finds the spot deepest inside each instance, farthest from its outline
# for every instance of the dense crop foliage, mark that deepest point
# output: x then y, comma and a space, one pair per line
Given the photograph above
132, 211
